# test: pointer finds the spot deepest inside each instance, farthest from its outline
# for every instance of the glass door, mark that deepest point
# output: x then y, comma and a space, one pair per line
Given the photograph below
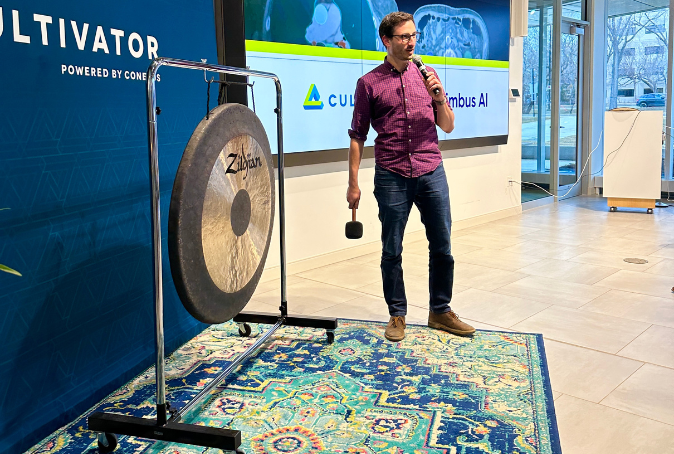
568, 164
552, 99
536, 101
567, 103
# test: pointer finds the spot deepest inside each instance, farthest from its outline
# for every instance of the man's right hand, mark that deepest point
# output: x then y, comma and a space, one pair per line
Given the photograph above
355, 155
353, 196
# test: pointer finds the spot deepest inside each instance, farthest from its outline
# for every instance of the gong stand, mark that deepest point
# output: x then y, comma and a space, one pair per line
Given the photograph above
167, 426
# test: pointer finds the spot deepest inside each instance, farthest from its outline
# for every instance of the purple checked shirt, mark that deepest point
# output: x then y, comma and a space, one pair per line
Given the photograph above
403, 115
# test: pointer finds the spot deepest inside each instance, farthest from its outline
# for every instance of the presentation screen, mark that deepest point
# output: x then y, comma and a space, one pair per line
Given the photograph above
319, 49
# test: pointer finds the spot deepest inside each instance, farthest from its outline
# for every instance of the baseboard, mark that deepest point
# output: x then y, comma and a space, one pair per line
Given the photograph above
537, 203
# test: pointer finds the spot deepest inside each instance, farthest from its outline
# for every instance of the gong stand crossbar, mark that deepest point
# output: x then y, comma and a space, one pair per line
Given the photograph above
167, 428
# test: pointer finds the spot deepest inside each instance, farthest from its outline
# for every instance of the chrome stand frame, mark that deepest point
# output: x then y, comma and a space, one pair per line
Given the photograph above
170, 429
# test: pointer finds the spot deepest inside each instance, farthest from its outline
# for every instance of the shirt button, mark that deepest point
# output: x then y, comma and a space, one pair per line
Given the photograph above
408, 112
410, 140
410, 126
403, 86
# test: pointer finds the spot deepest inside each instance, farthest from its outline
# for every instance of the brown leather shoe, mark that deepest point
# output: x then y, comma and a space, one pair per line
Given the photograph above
395, 331
449, 322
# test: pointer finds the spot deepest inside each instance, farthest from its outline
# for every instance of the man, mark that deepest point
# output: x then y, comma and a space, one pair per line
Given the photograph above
404, 110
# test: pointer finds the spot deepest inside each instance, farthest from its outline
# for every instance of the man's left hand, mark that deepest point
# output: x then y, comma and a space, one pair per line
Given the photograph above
432, 83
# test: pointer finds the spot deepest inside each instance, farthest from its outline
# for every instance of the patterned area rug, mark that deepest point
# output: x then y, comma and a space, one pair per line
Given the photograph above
431, 393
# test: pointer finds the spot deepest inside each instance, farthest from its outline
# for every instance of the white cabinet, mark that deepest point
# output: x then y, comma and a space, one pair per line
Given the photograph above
632, 158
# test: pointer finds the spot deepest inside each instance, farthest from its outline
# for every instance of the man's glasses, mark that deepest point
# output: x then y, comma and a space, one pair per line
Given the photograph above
407, 37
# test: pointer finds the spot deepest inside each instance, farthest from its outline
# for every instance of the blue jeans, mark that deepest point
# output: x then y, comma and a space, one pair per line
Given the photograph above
395, 195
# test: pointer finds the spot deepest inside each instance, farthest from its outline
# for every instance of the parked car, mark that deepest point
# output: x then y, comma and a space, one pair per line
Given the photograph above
651, 100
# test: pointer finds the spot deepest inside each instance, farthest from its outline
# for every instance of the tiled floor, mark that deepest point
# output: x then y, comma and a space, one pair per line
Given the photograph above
558, 270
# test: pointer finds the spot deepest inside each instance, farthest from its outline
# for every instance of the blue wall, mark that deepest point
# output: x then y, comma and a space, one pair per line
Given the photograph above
74, 173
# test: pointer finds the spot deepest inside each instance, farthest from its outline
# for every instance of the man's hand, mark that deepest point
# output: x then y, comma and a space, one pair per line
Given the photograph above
445, 115
432, 83
353, 196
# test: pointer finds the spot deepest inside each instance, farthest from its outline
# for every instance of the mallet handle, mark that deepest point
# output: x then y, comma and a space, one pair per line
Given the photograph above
353, 214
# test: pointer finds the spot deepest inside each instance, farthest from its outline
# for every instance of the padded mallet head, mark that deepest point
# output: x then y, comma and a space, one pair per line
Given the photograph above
354, 229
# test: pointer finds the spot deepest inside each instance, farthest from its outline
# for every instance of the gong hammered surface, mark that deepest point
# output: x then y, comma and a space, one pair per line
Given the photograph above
232, 260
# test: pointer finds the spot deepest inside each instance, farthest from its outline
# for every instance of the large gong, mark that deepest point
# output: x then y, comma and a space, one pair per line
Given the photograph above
221, 214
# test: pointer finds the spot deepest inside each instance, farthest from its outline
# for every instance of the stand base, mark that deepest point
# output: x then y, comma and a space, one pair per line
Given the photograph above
225, 439
110, 423
329, 324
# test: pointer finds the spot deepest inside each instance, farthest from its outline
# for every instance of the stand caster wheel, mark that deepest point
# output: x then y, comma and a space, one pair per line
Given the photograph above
331, 336
107, 442
649, 211
613, 209
244, 329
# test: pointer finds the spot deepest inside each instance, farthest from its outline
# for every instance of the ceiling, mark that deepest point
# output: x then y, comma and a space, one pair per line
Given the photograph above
615, 7
622, 7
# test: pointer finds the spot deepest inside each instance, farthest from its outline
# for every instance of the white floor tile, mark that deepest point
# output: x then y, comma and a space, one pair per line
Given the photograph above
632, 281
655, 345
634, 306
589, 428
494, 258
482, 277
585, 373
552, 291
343, 274
602, 258
566, 271
493, 308
584, 329
306, 296
648, 393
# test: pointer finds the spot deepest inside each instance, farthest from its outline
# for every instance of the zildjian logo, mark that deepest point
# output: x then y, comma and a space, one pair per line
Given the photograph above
244, 162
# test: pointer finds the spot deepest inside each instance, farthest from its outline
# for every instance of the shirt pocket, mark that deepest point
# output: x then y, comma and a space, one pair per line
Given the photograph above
418, 95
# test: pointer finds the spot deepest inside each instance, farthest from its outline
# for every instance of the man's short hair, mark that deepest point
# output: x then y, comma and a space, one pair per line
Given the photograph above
391, 21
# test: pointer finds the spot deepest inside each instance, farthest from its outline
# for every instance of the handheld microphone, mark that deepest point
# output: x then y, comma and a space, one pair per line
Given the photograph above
420, 64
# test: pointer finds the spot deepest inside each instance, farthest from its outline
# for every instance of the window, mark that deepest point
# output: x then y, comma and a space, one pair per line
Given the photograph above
654, 50
638, 39
655, 29
536, 102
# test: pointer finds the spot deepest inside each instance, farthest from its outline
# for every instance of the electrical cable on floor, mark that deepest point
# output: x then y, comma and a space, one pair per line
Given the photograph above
578, 180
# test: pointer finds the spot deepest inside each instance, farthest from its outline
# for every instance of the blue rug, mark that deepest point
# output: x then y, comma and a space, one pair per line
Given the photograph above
431, 393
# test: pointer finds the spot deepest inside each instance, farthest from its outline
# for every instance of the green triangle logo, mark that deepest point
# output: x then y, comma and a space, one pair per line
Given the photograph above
313, 99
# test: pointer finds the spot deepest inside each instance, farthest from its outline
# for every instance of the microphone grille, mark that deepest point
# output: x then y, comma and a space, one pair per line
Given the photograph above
417, 60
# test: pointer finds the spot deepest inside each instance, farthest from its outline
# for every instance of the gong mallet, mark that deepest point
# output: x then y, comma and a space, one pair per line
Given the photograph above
354, 229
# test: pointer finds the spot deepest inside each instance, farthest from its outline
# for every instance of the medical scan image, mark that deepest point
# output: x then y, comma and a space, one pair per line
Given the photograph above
451, 32
326, 26
354, 24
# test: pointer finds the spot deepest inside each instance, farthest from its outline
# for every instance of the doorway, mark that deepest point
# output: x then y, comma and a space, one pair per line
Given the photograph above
552, 107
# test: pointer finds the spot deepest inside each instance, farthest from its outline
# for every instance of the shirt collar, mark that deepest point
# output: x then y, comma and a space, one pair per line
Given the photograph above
389, 67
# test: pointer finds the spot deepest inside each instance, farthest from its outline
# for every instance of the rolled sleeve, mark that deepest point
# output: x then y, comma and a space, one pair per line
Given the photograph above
360, 124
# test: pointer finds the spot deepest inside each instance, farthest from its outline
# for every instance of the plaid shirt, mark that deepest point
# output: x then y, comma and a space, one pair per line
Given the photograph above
403, 114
